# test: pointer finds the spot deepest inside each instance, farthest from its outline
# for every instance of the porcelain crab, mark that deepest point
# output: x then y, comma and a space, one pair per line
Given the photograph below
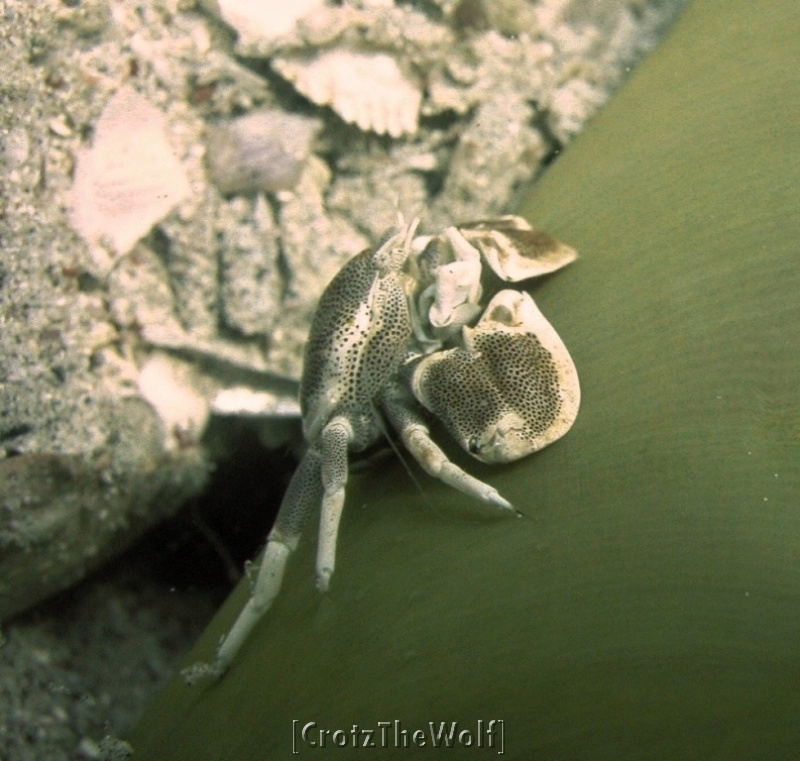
402, 333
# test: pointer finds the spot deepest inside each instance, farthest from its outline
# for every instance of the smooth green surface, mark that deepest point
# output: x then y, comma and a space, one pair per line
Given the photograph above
648, 603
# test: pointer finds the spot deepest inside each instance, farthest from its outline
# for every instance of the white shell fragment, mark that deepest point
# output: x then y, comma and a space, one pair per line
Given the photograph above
370, 90
257, 20
262, 151
515, 250
170, 386
129, 179
242, 400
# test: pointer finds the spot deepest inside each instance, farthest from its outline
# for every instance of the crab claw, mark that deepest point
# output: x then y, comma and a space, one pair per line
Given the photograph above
516, 251
510, 389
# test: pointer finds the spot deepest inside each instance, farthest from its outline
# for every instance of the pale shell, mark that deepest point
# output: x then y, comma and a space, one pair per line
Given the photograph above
172, 388
264, 150
130, 178
258, 20
368, 89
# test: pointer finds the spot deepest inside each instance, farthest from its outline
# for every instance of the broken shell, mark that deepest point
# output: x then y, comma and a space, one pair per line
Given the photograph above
170, 386
370, 90
243, 400
129, 179
262, 151
258, 20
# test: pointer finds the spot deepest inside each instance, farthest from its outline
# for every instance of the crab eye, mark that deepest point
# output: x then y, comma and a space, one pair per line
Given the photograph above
474, 446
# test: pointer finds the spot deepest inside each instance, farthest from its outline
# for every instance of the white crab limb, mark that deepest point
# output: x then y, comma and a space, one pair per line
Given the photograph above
265, 590
407, 421
300, 500
453, 299
456, 294
418, 441
464, 251
416, 309
335, 440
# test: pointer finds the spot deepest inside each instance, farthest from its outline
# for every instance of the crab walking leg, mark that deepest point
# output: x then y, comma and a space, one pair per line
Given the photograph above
265, 590
417, 440
301, 498
335, 440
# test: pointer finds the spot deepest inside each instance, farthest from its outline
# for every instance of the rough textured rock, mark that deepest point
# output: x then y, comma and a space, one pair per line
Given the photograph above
105, 127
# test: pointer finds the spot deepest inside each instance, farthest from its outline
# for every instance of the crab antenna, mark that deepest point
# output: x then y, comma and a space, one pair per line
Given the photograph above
410, 229
384, 430
392, 255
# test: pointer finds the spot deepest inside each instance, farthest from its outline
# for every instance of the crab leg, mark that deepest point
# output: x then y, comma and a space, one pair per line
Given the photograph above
336, 437
301, 498
416, 436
